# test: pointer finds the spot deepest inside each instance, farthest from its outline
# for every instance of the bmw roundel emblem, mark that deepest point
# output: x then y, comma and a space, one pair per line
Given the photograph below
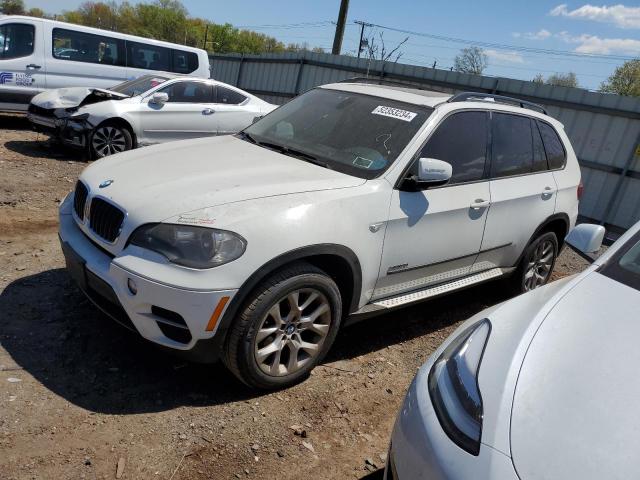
105, 183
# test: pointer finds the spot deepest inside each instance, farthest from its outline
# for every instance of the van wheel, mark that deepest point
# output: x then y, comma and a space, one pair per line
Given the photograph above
537, 263
109, 138
288, 325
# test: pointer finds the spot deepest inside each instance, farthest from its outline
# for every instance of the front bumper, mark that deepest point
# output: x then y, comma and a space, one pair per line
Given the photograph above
420, 449
73, 133
173, 317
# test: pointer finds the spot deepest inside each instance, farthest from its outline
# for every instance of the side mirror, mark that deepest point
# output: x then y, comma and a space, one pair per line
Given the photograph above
586, 239
433, 172
160, 98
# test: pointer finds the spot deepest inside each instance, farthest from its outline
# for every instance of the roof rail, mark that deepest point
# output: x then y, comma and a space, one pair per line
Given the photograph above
382, 81
471, 96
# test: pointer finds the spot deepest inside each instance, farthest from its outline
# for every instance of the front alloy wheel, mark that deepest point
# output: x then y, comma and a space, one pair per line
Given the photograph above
285, 328
110, 139
292, 332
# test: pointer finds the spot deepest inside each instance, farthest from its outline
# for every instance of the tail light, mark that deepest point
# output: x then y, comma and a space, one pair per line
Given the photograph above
580, 190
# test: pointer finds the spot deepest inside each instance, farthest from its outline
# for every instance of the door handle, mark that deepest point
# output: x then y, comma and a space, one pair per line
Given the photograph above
547, 191
34, 66
208, 111
480, 203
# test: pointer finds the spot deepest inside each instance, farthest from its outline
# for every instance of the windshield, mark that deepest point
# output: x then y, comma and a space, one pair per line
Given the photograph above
357, 134
139, 85
624, 266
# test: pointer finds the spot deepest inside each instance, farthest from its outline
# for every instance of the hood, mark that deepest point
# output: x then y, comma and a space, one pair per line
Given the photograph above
575, 409
156, 183
74, 97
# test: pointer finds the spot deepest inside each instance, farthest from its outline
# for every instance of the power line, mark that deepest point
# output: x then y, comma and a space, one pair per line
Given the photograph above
287, 26
505, 46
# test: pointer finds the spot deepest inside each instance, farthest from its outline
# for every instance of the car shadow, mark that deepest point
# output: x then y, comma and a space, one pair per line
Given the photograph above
53, 333
404, 324
45, 148
17, 121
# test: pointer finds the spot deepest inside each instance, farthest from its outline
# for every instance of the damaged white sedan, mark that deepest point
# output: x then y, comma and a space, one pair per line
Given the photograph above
148, 110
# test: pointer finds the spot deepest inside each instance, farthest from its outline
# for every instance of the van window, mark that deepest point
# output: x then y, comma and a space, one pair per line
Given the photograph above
184, 62
512, 145
228, 96
189, 92
86, 47
149, 57
16, 40
461, 140
556, 155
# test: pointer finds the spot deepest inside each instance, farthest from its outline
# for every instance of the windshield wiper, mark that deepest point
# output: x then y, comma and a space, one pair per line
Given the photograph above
292, 152
246, 136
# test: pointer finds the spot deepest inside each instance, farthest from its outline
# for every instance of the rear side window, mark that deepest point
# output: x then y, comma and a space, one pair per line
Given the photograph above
461, 140
556, 155
184, 62
16, 40
511, 145
226, 95
149, 57
87, 47
189, 92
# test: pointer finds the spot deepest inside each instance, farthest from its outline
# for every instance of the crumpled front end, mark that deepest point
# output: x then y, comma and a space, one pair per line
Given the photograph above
54, 112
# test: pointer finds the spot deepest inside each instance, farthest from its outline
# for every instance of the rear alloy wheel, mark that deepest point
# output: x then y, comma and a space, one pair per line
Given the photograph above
109, 139
286, 328
538, 262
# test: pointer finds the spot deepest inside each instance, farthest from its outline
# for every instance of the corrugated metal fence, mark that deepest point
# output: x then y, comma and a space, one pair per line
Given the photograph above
604, 129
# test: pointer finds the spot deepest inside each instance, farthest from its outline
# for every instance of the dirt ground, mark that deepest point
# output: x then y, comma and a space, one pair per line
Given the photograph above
81, 397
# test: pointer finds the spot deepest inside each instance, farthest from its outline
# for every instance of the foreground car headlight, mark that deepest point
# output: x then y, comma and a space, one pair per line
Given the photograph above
453, 387
195, 247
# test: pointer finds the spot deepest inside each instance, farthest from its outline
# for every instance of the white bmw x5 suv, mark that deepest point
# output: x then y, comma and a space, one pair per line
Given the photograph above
349, 200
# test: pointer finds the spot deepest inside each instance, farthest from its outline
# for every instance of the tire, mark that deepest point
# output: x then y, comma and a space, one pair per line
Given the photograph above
109, 138
263, 347
537, 263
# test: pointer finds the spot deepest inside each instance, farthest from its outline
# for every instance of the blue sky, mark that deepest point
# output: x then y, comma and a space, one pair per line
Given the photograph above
602, 29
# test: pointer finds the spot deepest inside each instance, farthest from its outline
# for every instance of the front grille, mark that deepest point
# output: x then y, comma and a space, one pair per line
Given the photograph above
105, 219
79, 199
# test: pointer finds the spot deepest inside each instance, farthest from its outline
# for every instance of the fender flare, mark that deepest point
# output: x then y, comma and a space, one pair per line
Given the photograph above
286, 258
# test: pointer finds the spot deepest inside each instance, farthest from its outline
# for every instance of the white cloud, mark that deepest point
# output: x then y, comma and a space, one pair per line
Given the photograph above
539, 35
619, 15
602, 46
505, 55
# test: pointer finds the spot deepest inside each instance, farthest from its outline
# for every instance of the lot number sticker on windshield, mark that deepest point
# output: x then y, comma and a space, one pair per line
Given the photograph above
403, 115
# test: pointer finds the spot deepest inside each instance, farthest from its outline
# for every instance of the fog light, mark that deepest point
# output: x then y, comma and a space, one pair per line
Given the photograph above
133, 288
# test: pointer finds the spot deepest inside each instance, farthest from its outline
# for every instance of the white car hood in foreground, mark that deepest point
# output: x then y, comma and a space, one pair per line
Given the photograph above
71, 97
575, 412
155, 183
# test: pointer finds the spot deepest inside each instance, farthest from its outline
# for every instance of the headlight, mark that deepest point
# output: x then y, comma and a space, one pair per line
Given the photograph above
195, 247
453, 387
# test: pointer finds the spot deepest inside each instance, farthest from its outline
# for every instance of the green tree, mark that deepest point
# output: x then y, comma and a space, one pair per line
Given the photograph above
36, 12
563, 80
169, 20
558, 79
12, 7
625, 80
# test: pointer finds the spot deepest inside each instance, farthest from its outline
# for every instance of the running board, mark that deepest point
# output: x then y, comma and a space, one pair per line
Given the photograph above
430, 292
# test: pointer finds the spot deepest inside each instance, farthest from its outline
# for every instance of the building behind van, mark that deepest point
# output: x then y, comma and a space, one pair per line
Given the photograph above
38, 54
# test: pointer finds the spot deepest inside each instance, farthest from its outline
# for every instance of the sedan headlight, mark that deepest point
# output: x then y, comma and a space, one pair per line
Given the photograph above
190, 246
453, 387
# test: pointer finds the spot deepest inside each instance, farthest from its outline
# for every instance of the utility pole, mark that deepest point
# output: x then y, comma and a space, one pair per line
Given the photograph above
362, 25
342, 19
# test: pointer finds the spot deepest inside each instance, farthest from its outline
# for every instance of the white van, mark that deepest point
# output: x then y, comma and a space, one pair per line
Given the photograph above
38, 54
